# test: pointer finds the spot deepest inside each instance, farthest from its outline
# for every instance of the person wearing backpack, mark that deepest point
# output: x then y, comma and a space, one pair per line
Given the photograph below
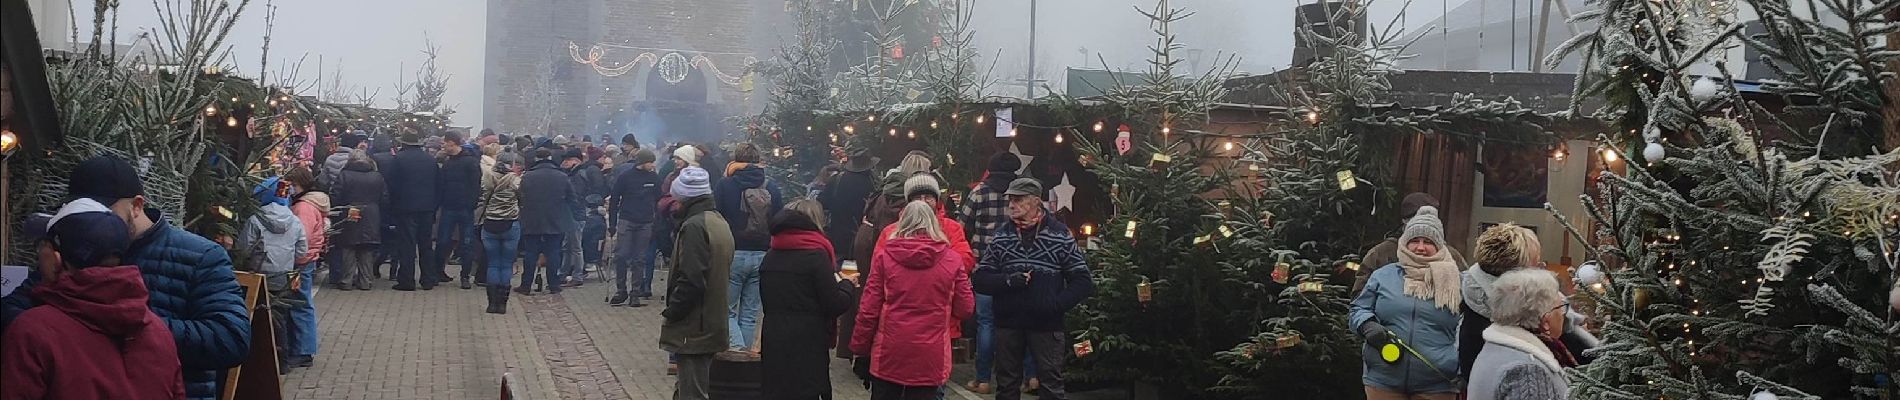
748, 201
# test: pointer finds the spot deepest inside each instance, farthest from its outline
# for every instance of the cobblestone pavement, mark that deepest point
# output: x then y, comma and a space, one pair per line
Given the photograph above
438, 344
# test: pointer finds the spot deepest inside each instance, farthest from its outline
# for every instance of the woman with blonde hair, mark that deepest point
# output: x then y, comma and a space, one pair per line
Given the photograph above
803, 295
1501, 249
914, 291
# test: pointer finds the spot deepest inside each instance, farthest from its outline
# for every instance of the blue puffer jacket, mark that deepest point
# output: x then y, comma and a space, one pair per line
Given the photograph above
1427, 328
195, 292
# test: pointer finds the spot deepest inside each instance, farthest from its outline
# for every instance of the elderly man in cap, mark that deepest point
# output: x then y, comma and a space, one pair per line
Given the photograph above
1034, 274
193, 289
412, 177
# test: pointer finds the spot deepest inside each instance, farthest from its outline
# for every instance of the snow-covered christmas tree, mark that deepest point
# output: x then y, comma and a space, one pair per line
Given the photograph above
1743, 252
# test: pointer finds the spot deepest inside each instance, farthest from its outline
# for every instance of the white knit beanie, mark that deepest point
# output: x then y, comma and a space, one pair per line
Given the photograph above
1426, 225
688, 153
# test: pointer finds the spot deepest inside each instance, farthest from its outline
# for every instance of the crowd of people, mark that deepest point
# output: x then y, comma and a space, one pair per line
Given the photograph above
1437, 328
873, 266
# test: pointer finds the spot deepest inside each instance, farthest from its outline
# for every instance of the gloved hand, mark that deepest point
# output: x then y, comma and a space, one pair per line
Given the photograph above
1018, 279
1375, 334
861, 366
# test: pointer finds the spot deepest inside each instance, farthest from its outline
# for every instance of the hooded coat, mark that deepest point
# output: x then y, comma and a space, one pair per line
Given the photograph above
313, 211
93, 338
359, 186
844, 202
696, 288
905, 314
272, 239
332, 167
729, 194
802, 298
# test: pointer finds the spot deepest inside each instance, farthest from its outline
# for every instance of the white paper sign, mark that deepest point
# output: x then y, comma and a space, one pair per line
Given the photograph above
1005, 122
11, 276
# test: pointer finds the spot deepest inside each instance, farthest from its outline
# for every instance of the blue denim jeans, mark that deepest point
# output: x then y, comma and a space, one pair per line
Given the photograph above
634, 241
454, 229
742, 296
986, 343
303, 338
501, 254
534, 247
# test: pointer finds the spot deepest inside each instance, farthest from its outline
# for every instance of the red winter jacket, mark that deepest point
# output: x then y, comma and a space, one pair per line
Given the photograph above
916, 288
93, 337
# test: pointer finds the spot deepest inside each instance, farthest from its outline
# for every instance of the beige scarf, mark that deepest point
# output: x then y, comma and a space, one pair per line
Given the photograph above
1431, 278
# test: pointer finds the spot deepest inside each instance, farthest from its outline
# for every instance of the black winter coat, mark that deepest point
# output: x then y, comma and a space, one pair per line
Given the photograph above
844, 203
635, 196
461, 181
361, 187
549, 205
802, 300
412, 181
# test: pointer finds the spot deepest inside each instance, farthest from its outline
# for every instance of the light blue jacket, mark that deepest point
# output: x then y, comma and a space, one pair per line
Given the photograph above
1420, 324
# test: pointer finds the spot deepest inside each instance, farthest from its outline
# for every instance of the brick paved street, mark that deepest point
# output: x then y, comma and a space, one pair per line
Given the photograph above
438, 344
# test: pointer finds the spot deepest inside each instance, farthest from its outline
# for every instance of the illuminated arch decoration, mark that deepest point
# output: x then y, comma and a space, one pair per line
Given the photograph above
673, 65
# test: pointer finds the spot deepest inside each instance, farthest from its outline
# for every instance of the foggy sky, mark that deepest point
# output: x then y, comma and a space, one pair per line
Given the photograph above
376, 42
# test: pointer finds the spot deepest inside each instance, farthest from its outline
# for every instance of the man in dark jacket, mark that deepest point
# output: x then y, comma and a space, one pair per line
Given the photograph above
383, 154
461, 183
635, 195
844, 200
751, 235
548, 207
1029, 310
695, 313
360, 189
984, 212
584, 181
192, 287
413, 201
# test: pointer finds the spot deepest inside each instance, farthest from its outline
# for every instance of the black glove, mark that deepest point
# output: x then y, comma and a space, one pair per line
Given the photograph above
861, 366
1018, 279
1375, 334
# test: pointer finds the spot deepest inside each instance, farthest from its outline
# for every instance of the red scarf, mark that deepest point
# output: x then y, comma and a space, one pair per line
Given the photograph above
800, 239
1558, 350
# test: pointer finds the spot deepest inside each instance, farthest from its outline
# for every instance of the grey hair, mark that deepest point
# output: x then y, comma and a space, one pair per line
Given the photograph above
919, 218
1521, 297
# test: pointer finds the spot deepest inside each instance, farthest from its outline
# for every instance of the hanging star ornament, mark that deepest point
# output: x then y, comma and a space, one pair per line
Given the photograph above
1022, 171
1063, 194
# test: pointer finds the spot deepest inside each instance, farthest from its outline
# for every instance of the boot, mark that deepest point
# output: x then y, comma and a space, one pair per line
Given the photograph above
497, 300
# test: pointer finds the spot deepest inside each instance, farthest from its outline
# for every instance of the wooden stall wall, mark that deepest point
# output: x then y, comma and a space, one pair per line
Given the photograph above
1443, 167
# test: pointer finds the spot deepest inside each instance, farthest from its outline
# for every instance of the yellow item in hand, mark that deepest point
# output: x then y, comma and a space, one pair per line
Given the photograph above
1390, 352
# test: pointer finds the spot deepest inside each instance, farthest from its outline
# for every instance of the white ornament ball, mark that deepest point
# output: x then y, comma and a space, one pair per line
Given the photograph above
1589, 274
1893, 297
1654, 152
1704, 89
1764, 396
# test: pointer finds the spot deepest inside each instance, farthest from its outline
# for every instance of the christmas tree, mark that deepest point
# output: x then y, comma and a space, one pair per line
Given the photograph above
1748, 253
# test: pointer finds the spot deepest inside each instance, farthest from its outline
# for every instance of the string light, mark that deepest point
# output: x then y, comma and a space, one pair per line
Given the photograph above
230, 121
1166, 130
1609, 155
1058, 137
850, 129
979, 119
893, 131
1312, 117
913, 135
933, 124
873, 118
834, 138
1229, 146
211, 110
808, 128
1098, 126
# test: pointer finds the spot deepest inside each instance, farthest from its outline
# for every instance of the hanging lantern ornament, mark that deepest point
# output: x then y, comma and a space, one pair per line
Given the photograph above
1144, 292
1654, 152
897, 52
1123, 140
1282, 272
